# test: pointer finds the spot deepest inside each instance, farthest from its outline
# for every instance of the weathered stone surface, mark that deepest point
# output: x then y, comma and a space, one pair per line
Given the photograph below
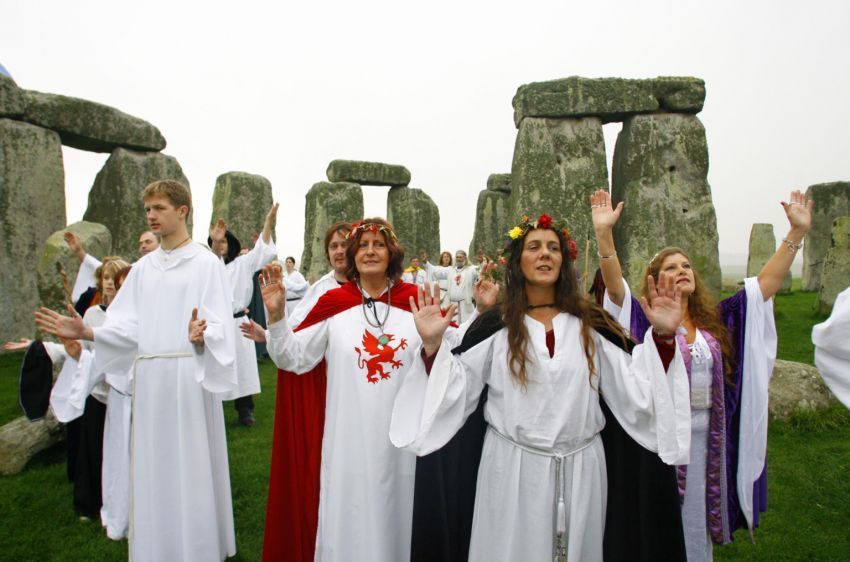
835, 274
115, 199
557, 164
96, 240
762, 248
796, 387
90, 126
368, 173
660, 170
21, 439
492, 222
242, 200
610, 99
326, 204
416, 220
11, 99
499, 182
32, 206
832, 200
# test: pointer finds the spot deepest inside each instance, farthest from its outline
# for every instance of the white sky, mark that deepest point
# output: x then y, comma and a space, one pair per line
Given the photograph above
282, 88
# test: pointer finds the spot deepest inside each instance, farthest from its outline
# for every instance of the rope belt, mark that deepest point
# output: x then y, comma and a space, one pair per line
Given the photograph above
560, 508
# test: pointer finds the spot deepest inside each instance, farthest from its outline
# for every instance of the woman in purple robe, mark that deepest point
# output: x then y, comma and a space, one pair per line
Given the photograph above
729, 350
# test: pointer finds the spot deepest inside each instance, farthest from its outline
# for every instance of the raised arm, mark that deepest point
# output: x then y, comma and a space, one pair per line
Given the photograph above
799, 213
75, 244
217, 234
269, 224
605, 216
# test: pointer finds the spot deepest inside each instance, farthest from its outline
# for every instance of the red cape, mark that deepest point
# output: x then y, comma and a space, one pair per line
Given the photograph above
293, 504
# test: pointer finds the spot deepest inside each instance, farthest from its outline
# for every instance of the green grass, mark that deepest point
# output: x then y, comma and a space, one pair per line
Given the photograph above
809, 497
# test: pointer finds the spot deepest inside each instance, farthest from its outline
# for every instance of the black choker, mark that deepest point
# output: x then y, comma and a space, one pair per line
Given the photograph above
547, 305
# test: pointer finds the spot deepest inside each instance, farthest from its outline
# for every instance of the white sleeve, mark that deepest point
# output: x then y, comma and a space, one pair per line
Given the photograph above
832, 348
623, 314
437, 271
297, 352
296, 285
430, 409
215, 361
116, 341
759, 358
56, 352
653, 406
68, 397
85, 276
260, 255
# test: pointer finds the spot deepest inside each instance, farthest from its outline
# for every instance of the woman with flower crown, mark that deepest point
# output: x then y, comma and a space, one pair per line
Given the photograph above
729, 349
550, 358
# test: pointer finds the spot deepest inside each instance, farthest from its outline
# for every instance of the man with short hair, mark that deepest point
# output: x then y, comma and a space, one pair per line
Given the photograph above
180, 484
461, 285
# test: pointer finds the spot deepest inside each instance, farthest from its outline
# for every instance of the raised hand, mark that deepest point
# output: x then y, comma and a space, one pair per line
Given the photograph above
196, 328
664, 308
604, 215
273, 291
428, 317
799, 211
486, 292
271, 217
19, 345
253, 331
73, 348
69, 327
218, 230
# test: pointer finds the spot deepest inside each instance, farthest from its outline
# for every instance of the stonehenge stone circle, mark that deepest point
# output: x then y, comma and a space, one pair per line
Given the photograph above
499, 182
832, 200
11, 98
242, 200
416, 220
367, 173
835, 272
762, 248
115, 198
327, 203
492, 222
32, 207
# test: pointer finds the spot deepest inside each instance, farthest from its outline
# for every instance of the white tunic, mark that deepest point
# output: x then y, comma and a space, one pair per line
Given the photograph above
296, 287
832, 348
240, 273
460, 287
180, 505
543, 441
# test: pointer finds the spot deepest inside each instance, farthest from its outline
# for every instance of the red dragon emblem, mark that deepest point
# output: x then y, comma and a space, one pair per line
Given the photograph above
381, 352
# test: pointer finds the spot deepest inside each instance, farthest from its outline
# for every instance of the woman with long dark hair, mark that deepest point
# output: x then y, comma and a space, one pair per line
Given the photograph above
549, 357
729, 349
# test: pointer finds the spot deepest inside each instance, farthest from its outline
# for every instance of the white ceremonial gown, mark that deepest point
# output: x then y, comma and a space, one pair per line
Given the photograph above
460, 288
543, 441
296, 287
240, 273
180, 504
832, 348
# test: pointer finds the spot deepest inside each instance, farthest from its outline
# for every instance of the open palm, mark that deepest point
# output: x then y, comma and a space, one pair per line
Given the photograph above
430, 321
663, 309
604, 215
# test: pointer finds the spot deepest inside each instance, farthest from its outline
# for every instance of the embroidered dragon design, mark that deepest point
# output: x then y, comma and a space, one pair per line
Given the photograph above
381, 352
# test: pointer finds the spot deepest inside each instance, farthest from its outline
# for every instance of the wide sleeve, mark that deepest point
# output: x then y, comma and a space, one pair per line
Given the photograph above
73, 385
832, 348
297, 352
85, 276
316, 290
215, 360
437, 271
116, 341
56, 352
430, 409
260, 255
653, 406
296, 285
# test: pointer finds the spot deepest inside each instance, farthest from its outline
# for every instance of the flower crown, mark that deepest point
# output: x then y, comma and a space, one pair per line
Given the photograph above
363, 226
543, 221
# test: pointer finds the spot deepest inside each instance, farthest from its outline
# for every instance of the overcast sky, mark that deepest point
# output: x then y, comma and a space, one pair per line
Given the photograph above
282, 88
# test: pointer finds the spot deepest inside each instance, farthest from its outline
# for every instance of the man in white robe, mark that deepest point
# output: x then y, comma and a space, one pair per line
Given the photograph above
461, 280
180, 504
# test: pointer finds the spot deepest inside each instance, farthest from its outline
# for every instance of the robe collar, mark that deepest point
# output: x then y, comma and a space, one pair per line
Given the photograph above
163, 260
349, 295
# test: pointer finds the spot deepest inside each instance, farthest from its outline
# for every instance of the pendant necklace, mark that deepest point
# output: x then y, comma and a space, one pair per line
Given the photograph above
366, 305
168, 252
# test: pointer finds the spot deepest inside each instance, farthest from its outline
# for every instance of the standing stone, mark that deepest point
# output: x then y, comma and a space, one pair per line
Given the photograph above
32, 206
115, 199
762, 248
499, 182
11, 98
557, 165
832, 200
91, 126
835, 275
21, 439
326, 204
660, 170
368, 173
416, 220
491, 223
242, 200
97, 241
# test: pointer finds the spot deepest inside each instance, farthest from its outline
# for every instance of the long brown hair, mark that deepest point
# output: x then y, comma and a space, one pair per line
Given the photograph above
567, 299
701, 308
395, 267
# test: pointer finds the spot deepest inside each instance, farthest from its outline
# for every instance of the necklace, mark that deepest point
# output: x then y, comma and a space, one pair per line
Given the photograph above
369, 304
168, 252
546, 305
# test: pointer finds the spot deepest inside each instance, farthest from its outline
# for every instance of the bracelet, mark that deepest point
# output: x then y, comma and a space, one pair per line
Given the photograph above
792, 246
608, 257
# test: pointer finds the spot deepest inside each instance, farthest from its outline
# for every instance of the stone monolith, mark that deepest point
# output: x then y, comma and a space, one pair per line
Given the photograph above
835, 273
115, 199
416, 220
242, 200
21, 439
762, 248
832, 200
32, 206
368, 173
499, 182
327, 203
491, 223
11, 98
660, 171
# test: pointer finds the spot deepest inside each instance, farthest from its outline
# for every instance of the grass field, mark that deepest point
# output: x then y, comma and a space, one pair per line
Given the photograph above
809, 516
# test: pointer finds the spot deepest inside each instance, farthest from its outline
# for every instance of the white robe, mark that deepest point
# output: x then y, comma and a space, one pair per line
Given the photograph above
240, 273
832, 348
85, 276
460, 287
545, 434
180, 504
303, 307
296, 287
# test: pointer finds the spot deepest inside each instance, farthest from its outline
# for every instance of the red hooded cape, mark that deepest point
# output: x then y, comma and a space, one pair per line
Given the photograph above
293, 504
